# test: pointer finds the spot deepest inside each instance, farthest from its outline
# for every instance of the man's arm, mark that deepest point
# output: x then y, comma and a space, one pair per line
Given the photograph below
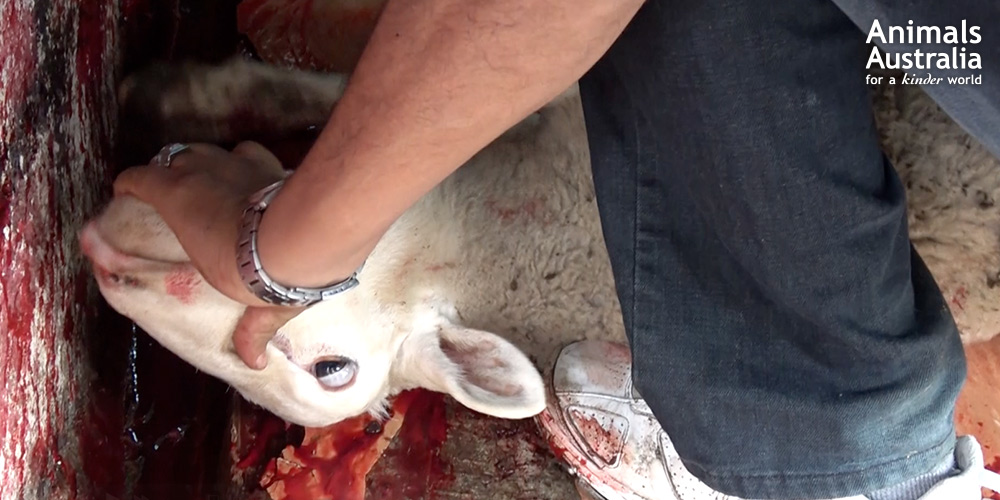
438, 81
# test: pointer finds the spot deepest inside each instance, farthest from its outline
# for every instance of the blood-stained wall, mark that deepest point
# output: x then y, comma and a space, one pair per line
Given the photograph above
57, 71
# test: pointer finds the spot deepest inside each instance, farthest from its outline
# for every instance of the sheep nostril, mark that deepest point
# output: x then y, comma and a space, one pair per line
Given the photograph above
110, 278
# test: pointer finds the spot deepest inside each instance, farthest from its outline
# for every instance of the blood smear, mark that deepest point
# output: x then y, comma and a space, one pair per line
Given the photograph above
323, 35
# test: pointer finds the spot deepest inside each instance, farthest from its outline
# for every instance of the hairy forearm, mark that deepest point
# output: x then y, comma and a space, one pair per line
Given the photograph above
439, 80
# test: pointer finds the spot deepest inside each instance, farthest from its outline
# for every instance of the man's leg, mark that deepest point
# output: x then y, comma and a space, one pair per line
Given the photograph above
783, 330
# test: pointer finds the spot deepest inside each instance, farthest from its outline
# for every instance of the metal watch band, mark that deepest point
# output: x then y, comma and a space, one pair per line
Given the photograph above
252, 273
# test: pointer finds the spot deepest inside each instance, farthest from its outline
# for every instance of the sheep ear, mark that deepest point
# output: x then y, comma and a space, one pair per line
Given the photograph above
479, 369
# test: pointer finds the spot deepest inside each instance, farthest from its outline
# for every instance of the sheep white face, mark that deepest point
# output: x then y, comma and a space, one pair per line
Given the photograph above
336, 360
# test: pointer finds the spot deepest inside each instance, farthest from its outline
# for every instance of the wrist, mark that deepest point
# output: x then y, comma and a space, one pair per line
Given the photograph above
296, 253
260, 281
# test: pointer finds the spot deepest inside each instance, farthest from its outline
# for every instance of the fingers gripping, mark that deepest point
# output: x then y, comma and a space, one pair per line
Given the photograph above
255, 329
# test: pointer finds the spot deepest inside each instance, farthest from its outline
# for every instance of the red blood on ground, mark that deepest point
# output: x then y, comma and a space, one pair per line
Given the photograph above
176, 423
332, 462
268, 430
322, 35
979, 398
520, 449
416, 469
473, 455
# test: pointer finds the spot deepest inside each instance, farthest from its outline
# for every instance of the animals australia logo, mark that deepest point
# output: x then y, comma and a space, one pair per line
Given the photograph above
900, 47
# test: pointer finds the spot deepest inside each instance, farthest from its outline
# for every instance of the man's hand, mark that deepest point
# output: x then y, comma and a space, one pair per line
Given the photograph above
201, 196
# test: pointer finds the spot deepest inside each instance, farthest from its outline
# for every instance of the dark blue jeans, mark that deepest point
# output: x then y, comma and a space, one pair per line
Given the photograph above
784, 331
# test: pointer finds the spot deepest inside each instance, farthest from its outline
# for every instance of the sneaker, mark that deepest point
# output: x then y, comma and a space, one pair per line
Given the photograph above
600, 427
972, 478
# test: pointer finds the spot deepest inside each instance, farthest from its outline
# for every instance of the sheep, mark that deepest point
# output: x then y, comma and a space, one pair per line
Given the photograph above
474, 289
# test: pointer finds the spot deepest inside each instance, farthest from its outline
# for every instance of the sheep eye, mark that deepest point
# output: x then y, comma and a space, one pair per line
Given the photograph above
335, 373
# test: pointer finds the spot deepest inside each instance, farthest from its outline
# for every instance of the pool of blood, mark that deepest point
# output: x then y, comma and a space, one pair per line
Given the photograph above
414, 468
333, 463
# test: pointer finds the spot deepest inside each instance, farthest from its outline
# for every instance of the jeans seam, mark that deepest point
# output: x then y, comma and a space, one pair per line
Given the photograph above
886, 463
635, 223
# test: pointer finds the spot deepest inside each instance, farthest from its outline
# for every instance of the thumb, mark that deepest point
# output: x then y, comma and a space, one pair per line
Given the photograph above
255, 328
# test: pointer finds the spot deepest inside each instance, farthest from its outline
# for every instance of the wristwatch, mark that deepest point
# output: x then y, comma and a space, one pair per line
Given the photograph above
252, 273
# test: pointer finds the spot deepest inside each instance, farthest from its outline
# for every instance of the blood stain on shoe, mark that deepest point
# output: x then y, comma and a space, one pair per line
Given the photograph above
604, 438
555, 435
995, 467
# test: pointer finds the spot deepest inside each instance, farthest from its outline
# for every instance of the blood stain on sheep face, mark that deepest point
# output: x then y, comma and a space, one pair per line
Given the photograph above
182, 284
